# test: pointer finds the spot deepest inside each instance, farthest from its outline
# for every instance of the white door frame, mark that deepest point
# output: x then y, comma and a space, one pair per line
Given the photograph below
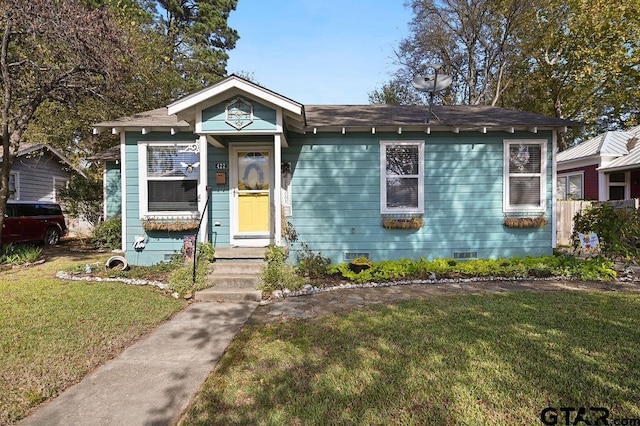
235, 238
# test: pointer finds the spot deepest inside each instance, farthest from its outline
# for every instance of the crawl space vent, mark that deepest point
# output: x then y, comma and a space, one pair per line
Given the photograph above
350, 255
465, 255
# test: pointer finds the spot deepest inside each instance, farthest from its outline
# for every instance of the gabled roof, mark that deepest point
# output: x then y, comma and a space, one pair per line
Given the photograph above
612, 143
28, 148
630, 160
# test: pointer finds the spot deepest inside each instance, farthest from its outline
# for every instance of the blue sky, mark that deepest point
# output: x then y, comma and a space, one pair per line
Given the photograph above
318, 51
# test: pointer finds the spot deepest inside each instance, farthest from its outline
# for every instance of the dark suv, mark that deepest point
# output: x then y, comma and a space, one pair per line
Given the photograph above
27, 221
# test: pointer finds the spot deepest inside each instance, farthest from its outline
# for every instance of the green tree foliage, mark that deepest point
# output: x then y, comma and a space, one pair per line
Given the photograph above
583, 63
51, 52
83, 198
197, 37
576, 59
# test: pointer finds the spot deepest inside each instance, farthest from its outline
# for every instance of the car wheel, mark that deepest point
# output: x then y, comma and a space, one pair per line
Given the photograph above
52, 237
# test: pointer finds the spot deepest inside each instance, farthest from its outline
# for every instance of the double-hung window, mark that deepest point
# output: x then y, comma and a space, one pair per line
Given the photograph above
525, 165
570, 186
169, 178
402, 177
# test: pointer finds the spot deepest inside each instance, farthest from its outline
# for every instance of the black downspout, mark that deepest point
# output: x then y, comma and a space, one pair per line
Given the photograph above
195, 243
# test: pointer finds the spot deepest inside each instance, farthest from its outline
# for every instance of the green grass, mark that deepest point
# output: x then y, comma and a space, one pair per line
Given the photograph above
451, 360
53, 332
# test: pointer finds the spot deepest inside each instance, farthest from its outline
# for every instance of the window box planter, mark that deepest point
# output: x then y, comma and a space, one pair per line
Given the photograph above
169, 224
525, 221
402, 222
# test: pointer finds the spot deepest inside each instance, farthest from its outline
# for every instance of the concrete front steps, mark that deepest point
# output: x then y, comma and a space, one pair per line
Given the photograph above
235, 275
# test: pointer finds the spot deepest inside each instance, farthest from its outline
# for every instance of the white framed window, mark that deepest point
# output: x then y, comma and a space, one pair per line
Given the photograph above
570, 186
169, 178
617, 185
402, 177
14, 185
525, 171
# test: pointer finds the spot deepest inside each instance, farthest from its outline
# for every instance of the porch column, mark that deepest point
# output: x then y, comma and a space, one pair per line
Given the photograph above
204, 182
277, 188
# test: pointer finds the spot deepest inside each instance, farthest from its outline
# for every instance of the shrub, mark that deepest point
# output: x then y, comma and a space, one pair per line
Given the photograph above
537, 267
277, 274
618, 229
109, 233
15, 254
312, 265
181, 277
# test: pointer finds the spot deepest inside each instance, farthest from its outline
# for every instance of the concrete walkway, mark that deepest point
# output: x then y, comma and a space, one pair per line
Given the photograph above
152, 381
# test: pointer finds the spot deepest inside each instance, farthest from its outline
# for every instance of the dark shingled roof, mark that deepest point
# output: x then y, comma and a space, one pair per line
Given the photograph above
112, 153
455, 116
154, 118
363, 116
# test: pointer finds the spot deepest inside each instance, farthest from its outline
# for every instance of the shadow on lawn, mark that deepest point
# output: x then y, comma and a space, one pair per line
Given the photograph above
483, 359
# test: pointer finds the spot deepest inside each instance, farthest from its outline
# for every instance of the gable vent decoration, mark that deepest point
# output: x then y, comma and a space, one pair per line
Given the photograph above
238, 113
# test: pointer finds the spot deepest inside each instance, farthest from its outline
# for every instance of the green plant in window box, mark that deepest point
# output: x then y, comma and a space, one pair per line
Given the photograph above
359, 264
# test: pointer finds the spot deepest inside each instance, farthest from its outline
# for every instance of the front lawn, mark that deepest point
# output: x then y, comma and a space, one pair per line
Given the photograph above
497, 359
54, 332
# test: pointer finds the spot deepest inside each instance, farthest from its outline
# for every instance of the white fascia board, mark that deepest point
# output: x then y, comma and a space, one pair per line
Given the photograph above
230, 84
577, 163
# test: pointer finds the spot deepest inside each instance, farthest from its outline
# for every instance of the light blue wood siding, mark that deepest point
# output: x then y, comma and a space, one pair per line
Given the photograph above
219, 205
336, 198
213, 118
113, 188
160, 245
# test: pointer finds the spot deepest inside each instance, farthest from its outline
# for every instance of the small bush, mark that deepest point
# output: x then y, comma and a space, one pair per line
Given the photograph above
527, 267
312, 265
181, 277
109, 234
618, 229
206, 252
277, 274
16, 254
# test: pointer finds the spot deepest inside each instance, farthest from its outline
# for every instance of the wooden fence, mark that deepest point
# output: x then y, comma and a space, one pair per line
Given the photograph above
566, 210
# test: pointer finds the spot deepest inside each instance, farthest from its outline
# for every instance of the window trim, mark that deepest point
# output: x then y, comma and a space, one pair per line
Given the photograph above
16, 182
506, 207
383, 177
63, 182
567, 177
143, 179
623, 185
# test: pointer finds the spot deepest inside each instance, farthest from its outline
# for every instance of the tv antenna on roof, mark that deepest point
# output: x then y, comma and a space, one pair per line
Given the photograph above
432, 83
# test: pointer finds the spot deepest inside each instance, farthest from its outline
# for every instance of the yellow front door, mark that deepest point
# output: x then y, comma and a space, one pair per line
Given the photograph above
253, 192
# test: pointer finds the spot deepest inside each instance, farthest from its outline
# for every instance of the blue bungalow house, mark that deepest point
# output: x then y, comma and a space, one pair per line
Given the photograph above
383, 181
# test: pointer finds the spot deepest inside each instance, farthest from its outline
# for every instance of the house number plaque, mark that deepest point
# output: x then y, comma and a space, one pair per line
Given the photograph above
221, 166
